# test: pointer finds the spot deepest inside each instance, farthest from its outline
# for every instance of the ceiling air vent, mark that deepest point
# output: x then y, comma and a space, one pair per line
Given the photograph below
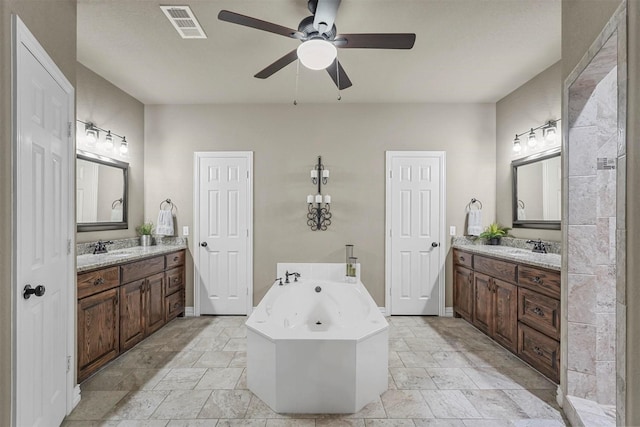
184, 21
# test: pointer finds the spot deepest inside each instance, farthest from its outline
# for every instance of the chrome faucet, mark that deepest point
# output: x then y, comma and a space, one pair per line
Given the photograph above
295, 278
100, 247
538, 246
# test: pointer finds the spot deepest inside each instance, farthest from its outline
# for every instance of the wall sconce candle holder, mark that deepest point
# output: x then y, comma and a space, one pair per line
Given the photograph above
319, 215
93, 138
549, 135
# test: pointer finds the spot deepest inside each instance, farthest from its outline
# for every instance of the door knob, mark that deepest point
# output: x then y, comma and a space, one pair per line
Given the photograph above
203, 244
28, 291
435, 245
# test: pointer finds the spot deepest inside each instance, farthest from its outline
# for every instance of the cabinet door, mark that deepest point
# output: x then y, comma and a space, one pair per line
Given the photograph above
98, 340
505, 314
483, 302
463, 292
132, 317
155, 303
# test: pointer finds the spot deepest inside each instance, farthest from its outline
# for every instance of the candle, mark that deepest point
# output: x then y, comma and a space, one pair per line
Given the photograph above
327, 199
318, 198
309, 198
314, 173
325, 173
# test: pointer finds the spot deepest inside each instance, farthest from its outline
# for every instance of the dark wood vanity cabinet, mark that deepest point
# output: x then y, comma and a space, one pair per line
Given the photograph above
517, 305
121, 305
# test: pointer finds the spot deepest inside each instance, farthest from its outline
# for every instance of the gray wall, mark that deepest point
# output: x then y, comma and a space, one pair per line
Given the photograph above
53, 23
100, 102
531, 105
352, 138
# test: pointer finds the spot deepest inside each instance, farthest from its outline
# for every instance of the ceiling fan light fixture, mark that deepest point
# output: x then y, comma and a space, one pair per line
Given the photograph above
317, 54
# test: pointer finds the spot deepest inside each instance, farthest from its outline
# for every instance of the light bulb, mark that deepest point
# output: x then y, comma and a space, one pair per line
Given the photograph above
517, 147
531, 139
550, 133
92, 134
108, 141
124, 146
317, 54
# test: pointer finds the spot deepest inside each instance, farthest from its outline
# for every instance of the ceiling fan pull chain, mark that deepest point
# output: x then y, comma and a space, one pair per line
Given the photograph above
295, 97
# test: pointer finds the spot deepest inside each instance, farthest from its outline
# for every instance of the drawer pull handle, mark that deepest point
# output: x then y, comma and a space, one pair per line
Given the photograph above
537, 279
175, 280
537, 351
176, 305
462, 258
175, 258
538, 311
98, 281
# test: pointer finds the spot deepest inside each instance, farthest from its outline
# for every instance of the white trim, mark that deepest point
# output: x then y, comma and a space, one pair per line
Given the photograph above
383, 311
442, 155
197, 155
76, 395
22, 35
189, 312
448, 312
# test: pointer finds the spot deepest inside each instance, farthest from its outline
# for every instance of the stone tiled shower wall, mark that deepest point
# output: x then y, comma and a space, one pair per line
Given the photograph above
593, 154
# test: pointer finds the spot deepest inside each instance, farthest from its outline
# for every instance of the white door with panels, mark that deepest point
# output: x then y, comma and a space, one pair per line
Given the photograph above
224, 229
44, 230
415, 233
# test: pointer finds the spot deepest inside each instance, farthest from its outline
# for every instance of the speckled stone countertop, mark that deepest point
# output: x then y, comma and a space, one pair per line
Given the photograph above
550, 261
88, 262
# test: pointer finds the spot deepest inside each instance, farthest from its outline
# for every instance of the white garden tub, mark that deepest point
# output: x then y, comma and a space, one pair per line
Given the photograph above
319, 345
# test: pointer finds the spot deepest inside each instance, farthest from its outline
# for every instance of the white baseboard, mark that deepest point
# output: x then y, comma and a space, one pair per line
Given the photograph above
189, 312
383, 310
76, 395
448, 312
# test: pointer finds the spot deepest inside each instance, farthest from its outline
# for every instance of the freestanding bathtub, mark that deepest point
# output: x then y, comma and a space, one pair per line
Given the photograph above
319, 345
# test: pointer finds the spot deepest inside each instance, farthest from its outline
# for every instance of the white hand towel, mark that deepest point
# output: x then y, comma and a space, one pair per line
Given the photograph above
165, 223
521, 214
474, 222
116, 214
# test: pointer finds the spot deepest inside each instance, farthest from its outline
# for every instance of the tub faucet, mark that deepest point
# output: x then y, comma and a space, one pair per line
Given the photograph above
538, 246
100, 247
295, 278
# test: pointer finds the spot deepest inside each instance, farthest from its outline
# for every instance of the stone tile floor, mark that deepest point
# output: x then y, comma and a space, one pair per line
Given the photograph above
442, 373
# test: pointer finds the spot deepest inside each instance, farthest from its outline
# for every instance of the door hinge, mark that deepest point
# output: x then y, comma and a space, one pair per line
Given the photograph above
68, 363
247, 232
247, 174
390, 233
69, 124
68, 246
390, 174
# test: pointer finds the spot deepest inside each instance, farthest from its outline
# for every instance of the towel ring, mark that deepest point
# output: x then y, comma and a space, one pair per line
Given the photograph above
473, 202
521, 204
116, 202
168, 202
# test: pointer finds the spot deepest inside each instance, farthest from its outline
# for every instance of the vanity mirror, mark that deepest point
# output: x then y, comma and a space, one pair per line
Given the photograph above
101, 192
537, 184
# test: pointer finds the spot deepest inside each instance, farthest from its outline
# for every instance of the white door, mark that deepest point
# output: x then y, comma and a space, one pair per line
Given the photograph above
415, 238
224, 217
44, 230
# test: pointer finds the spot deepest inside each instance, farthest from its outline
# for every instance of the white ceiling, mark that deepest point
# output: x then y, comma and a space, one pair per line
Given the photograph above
465, 50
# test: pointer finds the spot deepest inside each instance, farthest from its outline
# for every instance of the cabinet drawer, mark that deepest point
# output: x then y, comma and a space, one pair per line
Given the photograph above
174, 259
543, 281
464, 259
174, 305
174, 281
140, 269
542, 352
540, 312
97, 281
495, 268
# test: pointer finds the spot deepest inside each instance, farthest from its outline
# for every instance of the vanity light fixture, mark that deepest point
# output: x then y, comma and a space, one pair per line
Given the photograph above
319, 216
549, 136
93, 138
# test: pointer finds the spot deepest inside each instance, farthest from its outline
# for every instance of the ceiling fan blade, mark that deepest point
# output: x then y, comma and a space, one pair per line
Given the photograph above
278, 65
247, 21
333, 70
376, 41
325, 15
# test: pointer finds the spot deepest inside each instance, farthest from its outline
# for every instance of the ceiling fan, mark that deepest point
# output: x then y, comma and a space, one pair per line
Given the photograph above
320, 39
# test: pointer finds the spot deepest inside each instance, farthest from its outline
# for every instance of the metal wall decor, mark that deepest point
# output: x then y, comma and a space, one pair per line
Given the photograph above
319, 215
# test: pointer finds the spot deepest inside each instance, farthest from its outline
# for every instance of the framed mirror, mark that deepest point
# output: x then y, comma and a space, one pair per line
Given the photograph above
101, 192
537, 190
